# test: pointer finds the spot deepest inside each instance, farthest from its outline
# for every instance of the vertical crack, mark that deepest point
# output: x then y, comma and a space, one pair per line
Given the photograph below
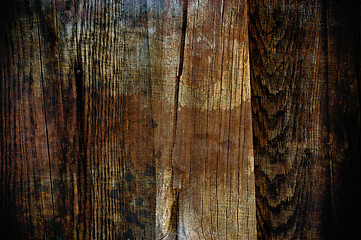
180, 69
84, 176
183, 38
174, 215
177, 87
82, 164
174, 218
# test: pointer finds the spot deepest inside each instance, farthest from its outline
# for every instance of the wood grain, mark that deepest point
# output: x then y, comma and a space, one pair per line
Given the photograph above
114, 56
213, 152
302, 68
201, 104
77, 133
126, 120
179, 119
28, 196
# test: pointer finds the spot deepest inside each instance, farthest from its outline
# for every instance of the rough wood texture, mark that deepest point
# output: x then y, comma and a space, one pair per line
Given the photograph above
179, 119
207, 172
305, 86
126, 120
77, 134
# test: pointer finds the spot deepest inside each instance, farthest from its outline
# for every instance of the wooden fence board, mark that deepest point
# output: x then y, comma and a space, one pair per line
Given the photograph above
213, 153
306, 131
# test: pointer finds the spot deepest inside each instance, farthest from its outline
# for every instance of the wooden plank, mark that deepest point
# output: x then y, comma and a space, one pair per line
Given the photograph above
28, 208
213, 149
303, 151
113, 51
289, 100
201, 106
63, 124
77, 133
343, 58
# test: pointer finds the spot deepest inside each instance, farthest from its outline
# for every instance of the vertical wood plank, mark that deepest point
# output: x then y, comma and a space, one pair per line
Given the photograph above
76, 126
289, 108
27, 186
212, 153
343, 51
303, 150
114, 57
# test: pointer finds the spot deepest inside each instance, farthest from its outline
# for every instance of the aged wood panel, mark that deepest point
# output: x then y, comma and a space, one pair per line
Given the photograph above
114, 59
77, 133
306, 117
28, 196
206, 175
126, 120
213, 150
132, 119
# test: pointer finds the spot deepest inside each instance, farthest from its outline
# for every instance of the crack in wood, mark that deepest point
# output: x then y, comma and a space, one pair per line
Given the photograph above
176, 174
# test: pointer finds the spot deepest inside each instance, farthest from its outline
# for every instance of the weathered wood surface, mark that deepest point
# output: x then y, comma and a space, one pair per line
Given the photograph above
206, 175
77, 132
100, 97
306, 117
218, 201
132, 119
